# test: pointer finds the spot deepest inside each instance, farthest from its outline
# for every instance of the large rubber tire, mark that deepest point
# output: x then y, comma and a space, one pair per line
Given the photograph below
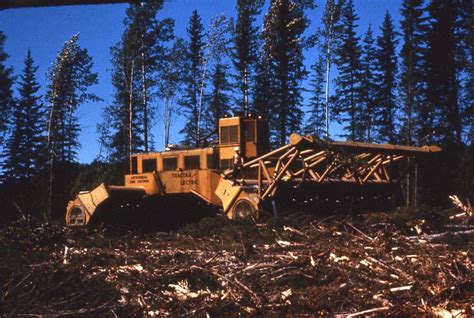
244, 209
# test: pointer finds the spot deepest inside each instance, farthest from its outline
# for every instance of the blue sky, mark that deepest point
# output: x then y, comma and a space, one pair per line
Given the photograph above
45, 30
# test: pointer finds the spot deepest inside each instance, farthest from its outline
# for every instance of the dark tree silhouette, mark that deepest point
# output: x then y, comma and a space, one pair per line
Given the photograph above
25, 147
346, 100
386, 79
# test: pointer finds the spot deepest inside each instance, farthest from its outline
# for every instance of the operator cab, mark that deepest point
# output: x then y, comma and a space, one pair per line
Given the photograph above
249, 133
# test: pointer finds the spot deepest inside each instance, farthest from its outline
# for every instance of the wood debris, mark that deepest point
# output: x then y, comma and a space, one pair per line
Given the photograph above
324, 267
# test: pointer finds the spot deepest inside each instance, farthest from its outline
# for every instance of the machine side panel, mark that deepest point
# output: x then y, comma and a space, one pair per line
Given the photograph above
150, 182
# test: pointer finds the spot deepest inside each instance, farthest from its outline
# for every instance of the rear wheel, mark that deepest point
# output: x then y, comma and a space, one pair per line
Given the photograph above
244, 209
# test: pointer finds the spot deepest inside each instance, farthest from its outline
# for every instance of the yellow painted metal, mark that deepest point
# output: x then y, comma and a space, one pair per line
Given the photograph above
80, 211
227, 193
204, 172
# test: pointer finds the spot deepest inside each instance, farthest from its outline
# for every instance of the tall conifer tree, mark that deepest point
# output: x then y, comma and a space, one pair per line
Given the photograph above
284, 25
465, 63
413, 26
193, 71
25, 148
139, 62
245, 48
346, 105
70, 77
218, 99
171, 84
368, 88
263, 93
387, 68
316, 123
442, 84
214, 63
6, 93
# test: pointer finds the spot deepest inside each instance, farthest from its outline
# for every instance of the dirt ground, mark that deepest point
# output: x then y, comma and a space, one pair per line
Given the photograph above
405, 263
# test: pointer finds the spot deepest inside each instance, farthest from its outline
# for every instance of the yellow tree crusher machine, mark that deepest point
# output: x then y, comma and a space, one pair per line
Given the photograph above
306, 170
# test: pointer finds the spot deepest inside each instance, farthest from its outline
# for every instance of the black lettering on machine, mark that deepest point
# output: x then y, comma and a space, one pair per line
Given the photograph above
189, 182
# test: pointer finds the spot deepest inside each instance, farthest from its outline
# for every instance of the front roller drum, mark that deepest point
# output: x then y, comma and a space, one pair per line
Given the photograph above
77, 214
244, 209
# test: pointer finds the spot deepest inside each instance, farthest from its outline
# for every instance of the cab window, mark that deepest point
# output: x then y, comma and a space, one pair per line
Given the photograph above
250, 130
148, 165
212, 161
134, 167
170, 163
191, 162
225, 163
229, 134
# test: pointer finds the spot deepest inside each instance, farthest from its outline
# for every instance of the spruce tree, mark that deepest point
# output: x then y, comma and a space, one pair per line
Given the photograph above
215, 57
415, 113
262, 91
284, 26
139, 62
219, 99
386, 79
442, 85
69, 79
193, 70
346, 100
25, 147
316, 123
6, 93
245, 49
368, 85
465, 63
144, 42
413, 26
122, 125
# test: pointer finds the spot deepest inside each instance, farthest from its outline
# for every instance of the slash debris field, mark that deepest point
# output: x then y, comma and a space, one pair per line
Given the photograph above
406, 263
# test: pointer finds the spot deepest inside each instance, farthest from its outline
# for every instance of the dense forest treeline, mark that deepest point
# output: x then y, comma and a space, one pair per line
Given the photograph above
412, 87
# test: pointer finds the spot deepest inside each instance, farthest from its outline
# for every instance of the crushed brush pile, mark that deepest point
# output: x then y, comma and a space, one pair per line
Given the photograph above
381, 264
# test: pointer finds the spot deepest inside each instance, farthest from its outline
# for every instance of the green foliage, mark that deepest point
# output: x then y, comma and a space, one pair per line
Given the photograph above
218, 99
6, 94
368, 88
25, 147
283, 45
316, 122
441, 80
92, 175
171, 83
245, 50
413, 25
346, 100
192, 70
387, 83
139, 64
70, 77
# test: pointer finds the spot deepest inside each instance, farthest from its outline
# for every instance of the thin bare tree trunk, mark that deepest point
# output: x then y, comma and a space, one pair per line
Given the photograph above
246, 94
201, 92
47, 212
145, 99
167, 119
328, 65
130, 116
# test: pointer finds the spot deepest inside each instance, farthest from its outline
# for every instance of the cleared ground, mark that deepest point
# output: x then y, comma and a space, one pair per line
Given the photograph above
407, 263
